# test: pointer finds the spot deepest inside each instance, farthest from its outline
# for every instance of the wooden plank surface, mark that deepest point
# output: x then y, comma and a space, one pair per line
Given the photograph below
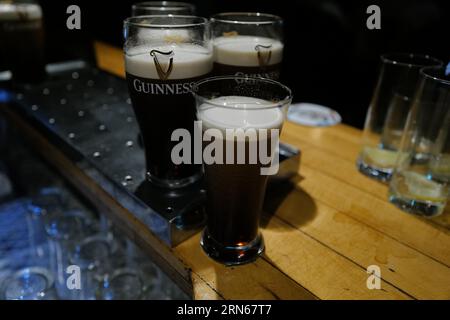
326, 231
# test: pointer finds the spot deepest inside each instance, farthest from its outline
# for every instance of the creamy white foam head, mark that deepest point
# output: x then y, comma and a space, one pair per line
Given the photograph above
241, 50
233, 112
189, 61
16, 12
164, 35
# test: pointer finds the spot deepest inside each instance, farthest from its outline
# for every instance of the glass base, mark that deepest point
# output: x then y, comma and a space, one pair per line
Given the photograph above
383, 175
173, 184
231, 256
420, 208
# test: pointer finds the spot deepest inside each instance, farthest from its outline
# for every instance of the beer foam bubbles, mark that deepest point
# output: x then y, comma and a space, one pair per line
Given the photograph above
237, 50
189, 60
240, 112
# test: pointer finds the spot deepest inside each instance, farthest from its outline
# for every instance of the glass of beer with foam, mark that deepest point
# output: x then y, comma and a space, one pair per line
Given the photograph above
164, 57
241, 120
22, 41
247, 44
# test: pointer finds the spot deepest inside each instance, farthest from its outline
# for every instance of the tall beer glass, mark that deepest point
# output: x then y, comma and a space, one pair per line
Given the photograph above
22, 41
164, 56
162, 7
241, 119
247, 44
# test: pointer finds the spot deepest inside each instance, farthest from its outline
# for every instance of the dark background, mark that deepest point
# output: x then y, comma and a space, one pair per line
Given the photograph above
331, 58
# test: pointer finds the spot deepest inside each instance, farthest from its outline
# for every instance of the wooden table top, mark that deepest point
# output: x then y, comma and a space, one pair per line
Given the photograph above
326, 232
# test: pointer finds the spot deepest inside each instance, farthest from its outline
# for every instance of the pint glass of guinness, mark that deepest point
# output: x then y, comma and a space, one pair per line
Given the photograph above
247, 44
162, 7
22, 41
164, 56
241, 119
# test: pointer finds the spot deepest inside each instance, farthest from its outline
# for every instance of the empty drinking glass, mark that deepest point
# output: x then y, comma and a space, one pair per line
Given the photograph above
92, 256
388, 111
63, 230
121, 284
420, 183
33, 283
49, 199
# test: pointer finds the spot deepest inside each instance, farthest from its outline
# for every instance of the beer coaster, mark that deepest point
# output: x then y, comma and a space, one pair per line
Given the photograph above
313, 115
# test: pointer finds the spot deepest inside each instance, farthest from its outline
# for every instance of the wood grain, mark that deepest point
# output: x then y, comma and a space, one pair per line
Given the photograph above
325, 232
400, 265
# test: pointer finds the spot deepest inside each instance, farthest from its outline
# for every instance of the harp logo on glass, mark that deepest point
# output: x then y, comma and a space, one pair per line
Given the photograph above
264, 54
163, 75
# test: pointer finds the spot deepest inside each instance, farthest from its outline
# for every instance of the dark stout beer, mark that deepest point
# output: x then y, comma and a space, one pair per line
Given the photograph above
22, 41
159, 81
247, 56
235, 192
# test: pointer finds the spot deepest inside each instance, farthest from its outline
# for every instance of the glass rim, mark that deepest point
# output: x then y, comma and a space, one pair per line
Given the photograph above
134, 21
277, 104
425, 73
75, 255
125, 271
41, 271
172, 5
271, 18
73, 214
393, 57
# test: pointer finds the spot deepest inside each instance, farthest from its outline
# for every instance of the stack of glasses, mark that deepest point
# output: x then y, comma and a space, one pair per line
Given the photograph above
74, 256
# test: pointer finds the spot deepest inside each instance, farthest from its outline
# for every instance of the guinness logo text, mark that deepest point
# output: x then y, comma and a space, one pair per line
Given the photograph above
162, 88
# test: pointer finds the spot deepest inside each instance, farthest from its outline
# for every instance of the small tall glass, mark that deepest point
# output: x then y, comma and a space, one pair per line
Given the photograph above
63, 231
388, 111
162, 7
92, 255
420, 183
240, 119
